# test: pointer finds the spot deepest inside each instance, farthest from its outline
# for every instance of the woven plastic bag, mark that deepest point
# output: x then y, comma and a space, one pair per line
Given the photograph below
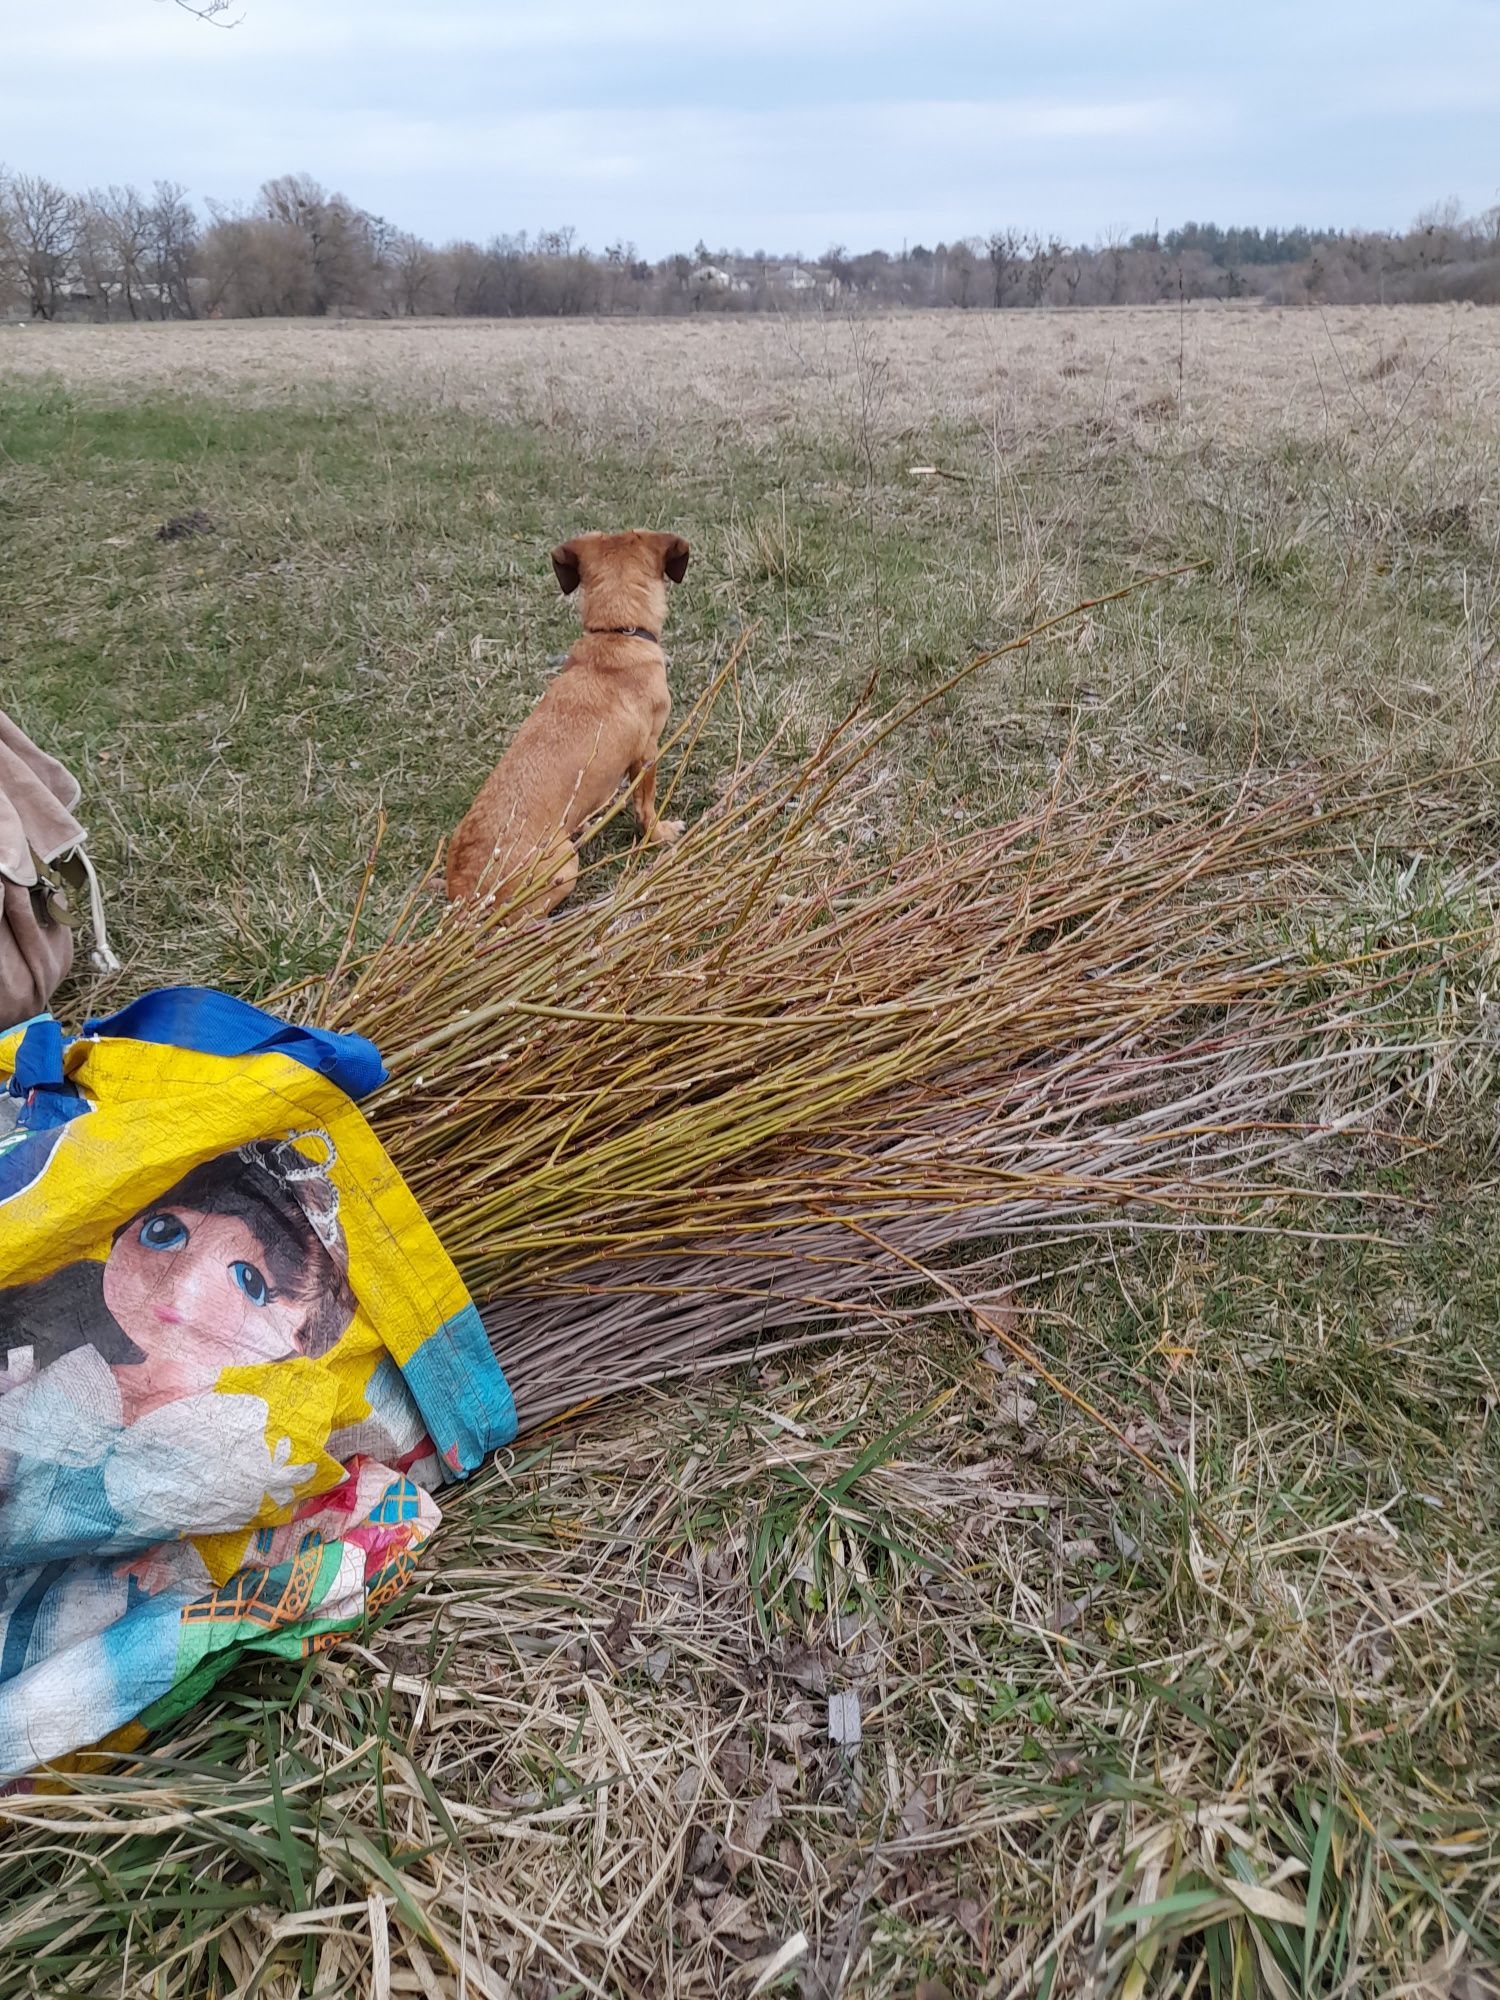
235, 1363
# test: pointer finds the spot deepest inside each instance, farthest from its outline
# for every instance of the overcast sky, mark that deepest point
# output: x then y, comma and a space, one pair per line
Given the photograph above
777, 124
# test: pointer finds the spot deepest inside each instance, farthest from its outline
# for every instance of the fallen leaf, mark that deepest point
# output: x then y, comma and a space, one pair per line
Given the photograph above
750, 1835
806, 1667
705, 1853
916, 1814
617, 1638
1265, 1902
692, 1916
1128, 1546
731, 1916
733, 1763
1071, 1613
1014, 1406
790, 1732
971, 1919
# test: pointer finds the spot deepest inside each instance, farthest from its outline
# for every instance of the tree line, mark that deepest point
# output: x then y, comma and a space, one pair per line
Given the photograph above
116, 253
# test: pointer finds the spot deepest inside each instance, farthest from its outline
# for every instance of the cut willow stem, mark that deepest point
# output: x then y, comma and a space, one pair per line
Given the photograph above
759, 1090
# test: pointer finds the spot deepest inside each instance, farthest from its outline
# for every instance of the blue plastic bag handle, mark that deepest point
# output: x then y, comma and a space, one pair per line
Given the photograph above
216, 1024
50, 1100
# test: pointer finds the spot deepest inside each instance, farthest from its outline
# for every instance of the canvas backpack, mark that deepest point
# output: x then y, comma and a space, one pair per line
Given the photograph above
47, 880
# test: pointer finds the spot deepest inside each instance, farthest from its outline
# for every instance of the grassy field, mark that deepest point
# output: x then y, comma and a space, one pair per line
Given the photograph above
1101, 1752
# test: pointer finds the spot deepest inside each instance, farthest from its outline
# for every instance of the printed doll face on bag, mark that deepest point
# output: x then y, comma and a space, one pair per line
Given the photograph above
226, 1270
195, 1287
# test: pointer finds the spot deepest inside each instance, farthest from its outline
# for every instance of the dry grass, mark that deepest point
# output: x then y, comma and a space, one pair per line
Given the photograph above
1241, 1738
591, 1754
748, 379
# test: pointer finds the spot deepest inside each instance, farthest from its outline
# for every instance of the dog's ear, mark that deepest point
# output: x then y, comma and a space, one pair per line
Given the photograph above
565, 562
674, 556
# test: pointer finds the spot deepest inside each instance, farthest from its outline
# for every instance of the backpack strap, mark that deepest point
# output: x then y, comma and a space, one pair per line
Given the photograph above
74, 870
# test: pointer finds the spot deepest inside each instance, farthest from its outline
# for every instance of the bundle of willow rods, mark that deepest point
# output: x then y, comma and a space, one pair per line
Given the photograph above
746, 1095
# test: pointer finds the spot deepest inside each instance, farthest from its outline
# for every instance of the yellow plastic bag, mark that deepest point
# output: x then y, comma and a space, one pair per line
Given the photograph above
236, 1362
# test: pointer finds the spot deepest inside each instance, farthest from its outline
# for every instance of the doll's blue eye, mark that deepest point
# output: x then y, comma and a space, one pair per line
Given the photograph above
163, 1232
251, 1283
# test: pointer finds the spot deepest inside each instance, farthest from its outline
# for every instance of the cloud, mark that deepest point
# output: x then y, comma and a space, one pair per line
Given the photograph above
145, 32
776, 177
780, 124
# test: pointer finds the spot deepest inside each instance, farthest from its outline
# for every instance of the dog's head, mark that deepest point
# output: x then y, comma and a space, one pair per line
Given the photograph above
623, 578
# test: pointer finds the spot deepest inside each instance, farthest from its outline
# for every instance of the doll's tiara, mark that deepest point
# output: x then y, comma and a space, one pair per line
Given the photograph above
305, 1180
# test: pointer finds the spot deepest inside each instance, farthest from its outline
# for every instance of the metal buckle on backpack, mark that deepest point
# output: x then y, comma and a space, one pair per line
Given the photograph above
49, 897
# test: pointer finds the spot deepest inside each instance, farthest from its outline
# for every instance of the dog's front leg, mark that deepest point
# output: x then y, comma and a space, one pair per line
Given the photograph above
655, 832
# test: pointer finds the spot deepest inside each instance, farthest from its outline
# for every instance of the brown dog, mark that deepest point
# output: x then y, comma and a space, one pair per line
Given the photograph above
597, 725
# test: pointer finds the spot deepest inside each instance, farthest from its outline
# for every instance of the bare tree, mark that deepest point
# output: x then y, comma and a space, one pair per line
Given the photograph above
172, 242
1114, 250
10, 256
303, 249
225, 254
466, 279
339, 239
562, 274
840, 268
1438, 230
962, 265
255, 267
42, 229
212, 11
114, 231
93, 262
620, 263
413, 270
1003, 248
1041, 263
